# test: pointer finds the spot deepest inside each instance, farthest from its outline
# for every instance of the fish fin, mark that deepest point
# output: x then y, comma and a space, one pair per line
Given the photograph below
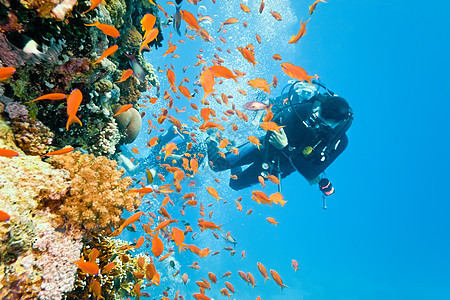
71, 120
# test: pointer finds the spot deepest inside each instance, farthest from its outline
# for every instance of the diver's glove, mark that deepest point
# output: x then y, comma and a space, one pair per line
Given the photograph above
278, 139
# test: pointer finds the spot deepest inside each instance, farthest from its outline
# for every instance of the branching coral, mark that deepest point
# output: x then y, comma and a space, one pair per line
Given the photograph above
98, 194
119, 281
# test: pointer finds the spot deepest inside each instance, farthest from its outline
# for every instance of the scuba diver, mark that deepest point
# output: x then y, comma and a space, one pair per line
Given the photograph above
153, 163
313, 137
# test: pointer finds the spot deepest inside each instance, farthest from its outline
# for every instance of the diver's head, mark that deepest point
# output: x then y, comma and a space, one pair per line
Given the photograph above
333, 109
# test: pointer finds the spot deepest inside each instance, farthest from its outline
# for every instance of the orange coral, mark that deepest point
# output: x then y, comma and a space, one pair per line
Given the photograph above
98, 194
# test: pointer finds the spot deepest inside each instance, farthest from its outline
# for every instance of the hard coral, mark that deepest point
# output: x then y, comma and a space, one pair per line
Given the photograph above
118, 282
31, 135
129, 122
98, 195
108, 138
58, 271
129, 91
22, 180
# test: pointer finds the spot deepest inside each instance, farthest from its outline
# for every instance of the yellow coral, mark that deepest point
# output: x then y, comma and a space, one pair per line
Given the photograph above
98, 195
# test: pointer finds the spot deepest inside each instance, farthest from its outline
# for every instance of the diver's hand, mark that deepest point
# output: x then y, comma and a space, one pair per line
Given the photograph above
278, 140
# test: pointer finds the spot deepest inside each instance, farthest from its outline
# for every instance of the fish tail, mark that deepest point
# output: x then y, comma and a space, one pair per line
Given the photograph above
71, 120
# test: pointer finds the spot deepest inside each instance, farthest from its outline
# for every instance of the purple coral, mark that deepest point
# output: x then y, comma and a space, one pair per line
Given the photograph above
58, 270
16, 110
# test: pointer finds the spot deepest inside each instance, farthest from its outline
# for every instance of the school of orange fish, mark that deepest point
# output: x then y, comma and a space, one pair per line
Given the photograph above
208, 76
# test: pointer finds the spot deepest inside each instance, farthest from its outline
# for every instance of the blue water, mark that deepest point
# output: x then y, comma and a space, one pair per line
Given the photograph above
385, 233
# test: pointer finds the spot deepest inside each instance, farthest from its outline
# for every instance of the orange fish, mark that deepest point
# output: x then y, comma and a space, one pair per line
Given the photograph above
194, 166
302, 31
200, 296
185, 278
258, 38
270, 126
239, 206
254, 140
171, 49
208, 225
276, 15
248, 55
96, 289
107, 53
147, 23
263, 271
124, 108
274, 179
261, 6
6, 72
228, 22
152, 34
73, 103
207, 82
190, 20
274, 81
260, 83
59, 152
106, 29
212, 191
52, 96
171, 77
251, 279
277, 279
168, 149
94, 4
296, 72
261, 181
295, 265
125, 75
157, 246
108, 268
224, 143
178, 237
127, 222
8, 152
312, 8
139, 242
87, 267
4, 216
272, 221
276, 57
245, 8
261, 197
184, 90
225, 292
229, 286
277, 198
223, 72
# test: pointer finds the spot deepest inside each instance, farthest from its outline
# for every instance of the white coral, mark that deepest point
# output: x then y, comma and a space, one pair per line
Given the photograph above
59, 11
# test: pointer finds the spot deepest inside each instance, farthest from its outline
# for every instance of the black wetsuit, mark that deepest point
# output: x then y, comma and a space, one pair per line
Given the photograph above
290, 158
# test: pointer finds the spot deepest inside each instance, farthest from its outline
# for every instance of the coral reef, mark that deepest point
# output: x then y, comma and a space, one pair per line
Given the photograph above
98, 195
33, 137
129, 122
108, 138
24, 181
119, 281
58, 271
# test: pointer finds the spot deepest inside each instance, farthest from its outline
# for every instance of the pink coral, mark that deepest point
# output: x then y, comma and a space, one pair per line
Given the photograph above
58, 270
